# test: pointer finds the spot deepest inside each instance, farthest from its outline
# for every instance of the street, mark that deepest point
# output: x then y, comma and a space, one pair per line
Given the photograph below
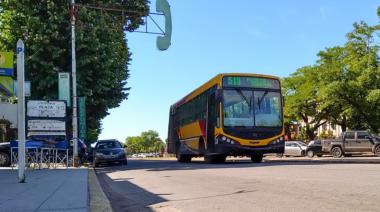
165, 185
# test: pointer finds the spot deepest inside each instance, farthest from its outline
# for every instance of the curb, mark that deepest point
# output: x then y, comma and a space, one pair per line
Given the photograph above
331, 161
97, 199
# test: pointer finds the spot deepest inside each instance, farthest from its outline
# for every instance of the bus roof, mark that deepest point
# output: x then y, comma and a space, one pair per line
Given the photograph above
216, 80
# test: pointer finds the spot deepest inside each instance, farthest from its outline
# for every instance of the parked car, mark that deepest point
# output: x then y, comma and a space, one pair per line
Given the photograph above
294, 148
107, 151
352, 142
314, 148
5, 154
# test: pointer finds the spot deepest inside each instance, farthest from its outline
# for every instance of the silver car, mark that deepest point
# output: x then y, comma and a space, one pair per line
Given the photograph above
294, 148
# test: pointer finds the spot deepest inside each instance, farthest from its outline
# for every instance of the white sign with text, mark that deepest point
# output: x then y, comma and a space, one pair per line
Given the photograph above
52, 109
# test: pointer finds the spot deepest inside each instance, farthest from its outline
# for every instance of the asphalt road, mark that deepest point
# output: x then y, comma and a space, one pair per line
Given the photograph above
165, 185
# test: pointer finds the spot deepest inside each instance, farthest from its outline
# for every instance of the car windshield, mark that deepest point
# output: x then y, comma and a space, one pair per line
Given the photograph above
248, 108
317, 142
108, 145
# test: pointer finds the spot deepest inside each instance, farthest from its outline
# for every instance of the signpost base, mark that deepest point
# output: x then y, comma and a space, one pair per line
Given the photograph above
76, 161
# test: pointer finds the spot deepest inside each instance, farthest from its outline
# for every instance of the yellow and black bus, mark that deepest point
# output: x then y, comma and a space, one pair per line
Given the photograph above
230, 115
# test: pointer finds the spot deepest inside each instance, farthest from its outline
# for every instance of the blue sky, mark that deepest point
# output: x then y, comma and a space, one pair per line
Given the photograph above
210, 37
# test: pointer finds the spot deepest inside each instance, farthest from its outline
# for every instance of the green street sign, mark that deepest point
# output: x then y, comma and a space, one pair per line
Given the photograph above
6, 63
64, 87
163, 42
82, 117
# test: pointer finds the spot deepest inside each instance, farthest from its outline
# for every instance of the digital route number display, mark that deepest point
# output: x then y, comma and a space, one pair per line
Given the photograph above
250, 82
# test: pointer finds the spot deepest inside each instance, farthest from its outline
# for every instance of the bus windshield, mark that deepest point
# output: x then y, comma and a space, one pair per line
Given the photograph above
248, 108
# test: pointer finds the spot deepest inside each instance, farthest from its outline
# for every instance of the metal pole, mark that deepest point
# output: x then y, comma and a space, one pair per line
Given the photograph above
21, 110
74, 80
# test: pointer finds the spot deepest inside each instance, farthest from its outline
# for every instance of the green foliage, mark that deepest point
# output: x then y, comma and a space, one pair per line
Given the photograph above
326, 134
301, 91
101, 48
148, 141
343, 87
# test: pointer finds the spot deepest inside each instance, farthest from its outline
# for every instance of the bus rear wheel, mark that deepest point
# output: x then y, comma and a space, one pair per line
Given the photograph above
257, 158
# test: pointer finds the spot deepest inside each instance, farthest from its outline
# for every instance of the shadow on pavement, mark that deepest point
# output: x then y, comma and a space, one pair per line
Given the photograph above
124, 195
172, 165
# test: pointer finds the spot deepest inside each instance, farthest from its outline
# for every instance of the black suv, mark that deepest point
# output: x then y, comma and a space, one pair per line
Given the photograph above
314, 148
107, 151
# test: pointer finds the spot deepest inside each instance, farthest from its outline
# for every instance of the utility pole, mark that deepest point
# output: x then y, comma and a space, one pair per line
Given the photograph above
74, 80
21, 110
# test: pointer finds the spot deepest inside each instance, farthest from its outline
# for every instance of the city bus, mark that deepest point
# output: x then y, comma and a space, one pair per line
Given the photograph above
230, 115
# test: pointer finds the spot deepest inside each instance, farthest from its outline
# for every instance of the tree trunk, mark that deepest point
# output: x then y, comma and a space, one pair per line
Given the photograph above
310, 133
344, 124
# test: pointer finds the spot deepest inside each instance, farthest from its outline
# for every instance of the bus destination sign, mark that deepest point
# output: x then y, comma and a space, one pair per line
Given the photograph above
250, 82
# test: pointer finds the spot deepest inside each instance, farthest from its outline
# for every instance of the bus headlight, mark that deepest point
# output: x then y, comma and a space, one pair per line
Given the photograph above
276, 142
224, 140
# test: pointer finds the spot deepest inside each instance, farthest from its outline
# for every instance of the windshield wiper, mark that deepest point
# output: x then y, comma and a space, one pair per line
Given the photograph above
262, 98
244, 97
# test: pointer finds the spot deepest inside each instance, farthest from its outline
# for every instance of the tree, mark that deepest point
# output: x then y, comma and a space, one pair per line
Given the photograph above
350, 76
301, 91
148, 141
134, 144
342, 87
102, 51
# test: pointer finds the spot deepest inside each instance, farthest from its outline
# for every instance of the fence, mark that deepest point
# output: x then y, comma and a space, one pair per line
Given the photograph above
38, 156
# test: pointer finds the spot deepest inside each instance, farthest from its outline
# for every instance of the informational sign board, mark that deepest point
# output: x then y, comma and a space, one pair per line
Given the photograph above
6, 63
46, 125
47, 109
64, 87
27, 88
45, 133
82, 117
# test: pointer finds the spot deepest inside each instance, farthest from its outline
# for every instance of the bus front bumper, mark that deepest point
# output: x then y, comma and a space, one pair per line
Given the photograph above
240, 150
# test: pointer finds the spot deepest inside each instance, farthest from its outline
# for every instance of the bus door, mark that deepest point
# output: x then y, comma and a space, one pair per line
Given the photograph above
211, 120
173, 139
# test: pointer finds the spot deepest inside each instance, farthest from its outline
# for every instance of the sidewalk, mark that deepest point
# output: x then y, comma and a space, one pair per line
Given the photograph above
44, 190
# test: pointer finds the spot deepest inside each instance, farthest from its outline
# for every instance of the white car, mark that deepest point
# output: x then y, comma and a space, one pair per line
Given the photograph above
295, 148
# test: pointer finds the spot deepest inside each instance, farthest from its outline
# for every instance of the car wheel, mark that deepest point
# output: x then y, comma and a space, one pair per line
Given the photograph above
377, 150
302, 153
319, 156
258, 158
4, 159
336, 152
310, 153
